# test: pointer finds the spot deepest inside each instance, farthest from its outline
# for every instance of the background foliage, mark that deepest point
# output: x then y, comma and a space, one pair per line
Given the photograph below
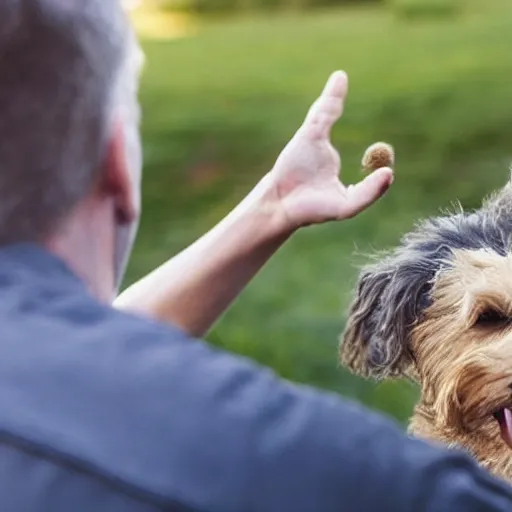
432, 78
236, 6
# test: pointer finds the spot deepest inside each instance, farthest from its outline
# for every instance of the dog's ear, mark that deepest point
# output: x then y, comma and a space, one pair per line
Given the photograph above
388, 301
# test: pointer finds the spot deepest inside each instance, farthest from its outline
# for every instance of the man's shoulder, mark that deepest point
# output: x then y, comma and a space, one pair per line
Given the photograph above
81, 383
131, 400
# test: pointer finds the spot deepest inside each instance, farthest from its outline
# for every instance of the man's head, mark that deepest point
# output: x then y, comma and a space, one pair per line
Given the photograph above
70, 157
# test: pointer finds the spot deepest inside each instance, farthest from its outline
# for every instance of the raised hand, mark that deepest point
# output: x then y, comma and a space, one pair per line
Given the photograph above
306, 176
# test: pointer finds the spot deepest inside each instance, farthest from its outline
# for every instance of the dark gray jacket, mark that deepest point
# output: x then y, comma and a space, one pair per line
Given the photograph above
104, 412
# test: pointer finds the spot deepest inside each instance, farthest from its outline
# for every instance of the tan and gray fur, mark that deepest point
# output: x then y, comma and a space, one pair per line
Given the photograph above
438, 310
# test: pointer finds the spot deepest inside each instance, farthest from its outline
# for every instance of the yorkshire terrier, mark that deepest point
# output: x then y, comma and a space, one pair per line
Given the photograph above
438, 310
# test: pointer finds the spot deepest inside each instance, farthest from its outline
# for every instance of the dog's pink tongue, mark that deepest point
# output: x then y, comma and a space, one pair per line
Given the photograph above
505, 421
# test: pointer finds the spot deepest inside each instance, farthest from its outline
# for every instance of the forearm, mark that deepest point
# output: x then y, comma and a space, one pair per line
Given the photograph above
195, 287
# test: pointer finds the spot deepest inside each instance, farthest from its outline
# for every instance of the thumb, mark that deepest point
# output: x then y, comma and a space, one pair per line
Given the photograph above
366, 192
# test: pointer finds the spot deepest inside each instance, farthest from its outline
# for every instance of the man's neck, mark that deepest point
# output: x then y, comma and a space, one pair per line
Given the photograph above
84, 243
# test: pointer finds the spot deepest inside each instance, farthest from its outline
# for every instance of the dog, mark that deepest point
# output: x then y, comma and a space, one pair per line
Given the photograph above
438, 310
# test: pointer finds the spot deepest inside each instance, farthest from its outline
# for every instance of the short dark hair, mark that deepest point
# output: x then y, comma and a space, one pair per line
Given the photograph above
59, 63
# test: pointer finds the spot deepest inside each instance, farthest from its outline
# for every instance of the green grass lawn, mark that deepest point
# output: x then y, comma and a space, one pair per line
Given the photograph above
219, 106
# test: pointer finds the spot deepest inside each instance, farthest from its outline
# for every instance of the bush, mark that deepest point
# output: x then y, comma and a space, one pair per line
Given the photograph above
424, 9
223, 6
200, 6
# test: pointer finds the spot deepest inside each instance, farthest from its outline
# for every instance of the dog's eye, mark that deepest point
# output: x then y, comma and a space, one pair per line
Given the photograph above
492, 317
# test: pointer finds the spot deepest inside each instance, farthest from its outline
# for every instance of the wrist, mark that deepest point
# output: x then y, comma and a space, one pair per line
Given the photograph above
265, 203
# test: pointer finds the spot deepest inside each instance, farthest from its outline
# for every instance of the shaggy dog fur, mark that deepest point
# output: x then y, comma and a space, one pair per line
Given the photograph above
438, 310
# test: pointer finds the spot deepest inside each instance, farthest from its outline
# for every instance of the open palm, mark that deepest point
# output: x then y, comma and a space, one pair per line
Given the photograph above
306, 175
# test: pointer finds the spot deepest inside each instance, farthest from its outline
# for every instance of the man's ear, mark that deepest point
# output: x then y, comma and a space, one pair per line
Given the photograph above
389, 297
119, 179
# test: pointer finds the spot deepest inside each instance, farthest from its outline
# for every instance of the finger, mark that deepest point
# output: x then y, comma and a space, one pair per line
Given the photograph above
331, 100
337, 85
366, 192
327, 109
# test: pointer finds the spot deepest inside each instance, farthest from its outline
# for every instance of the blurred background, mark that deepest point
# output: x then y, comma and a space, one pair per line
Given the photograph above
226, 84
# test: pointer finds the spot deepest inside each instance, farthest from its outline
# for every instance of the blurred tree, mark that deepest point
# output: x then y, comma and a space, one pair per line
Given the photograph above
419, 9
211, 6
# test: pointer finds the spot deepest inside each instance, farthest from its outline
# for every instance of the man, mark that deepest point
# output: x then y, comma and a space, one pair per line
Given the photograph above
101, 410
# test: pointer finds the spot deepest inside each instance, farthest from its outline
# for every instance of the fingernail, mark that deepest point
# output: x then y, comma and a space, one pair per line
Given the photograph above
387, 185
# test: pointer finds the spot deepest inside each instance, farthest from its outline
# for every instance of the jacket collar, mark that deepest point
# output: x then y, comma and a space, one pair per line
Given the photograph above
31, 258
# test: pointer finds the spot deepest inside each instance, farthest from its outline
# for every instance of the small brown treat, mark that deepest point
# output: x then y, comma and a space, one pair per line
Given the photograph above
378, 155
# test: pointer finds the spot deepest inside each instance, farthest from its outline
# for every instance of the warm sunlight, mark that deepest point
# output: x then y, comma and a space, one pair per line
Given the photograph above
152, 22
